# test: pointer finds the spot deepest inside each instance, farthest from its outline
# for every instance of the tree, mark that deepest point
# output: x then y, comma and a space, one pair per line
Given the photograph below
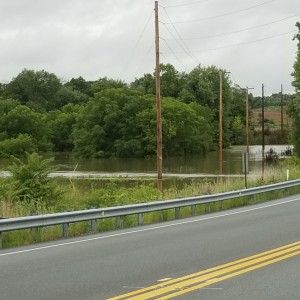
203, 86
16, 120
107, 125
106, 83
170, 81
65, 95
145, 84
294, 109
185, 129
36, 89
81, 85
61, 124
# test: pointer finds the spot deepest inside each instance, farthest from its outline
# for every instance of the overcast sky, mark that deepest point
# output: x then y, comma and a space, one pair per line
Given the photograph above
115, 38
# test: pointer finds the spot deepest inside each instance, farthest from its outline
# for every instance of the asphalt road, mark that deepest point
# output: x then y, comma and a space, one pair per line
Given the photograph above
107, 265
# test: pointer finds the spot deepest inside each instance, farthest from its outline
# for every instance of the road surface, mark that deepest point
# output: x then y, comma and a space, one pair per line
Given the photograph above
245, 253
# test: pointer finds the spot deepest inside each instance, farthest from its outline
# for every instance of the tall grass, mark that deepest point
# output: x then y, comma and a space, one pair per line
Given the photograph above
112, 193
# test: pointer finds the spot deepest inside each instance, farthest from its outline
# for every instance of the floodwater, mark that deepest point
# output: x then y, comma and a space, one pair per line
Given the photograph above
185, 167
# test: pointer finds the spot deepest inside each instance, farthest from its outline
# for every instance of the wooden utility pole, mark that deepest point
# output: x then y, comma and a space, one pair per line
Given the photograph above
281, 105
158, 104
247, 118
221, 125
263, 128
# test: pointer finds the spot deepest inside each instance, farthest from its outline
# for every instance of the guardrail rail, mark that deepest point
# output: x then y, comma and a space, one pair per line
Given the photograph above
117, 212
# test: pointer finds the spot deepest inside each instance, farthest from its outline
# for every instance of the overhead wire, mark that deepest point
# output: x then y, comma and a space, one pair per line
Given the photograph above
185, 48
241, 30
186, 4
174, 53
226, 14
137, 42
245, 43
146, 59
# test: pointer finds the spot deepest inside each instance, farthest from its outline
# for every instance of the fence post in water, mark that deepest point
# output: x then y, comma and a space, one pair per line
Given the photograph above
65, 230
140, 219
118, 222
177, 212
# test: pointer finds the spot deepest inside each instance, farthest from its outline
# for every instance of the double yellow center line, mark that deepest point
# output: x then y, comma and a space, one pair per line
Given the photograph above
186, 284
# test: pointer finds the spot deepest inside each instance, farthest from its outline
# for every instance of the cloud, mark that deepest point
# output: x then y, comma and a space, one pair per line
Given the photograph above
115, 38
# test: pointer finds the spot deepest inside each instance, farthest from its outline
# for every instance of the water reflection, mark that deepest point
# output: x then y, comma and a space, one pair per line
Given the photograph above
191, 166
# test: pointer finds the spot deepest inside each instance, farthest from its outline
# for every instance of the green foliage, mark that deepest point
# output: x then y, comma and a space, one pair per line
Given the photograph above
109, 118
23, 127
36, 89
31, 179
113, 195
122, 123
106, 84
294, 109
79, 84
238, 131
17, 146
107, 125
145, 84
61, 124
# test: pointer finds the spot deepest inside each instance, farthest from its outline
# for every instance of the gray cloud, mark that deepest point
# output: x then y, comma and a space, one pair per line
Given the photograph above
95, 38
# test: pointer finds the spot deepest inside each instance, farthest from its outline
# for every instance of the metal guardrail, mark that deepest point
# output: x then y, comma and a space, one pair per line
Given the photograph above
117, 212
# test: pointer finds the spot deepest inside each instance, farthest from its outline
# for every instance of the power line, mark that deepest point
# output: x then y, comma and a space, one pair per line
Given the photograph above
137, 43
226, 14
250, 42
245, 43
241, 30
146, 59
174, 54
187, 50
186, 4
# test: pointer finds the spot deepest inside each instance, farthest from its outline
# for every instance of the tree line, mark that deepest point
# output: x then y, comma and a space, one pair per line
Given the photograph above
110, 118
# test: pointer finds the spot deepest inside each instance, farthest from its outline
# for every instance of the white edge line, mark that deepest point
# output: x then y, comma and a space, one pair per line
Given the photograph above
147, 229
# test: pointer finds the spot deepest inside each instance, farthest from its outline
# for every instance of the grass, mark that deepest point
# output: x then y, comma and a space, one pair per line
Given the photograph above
273, 114
74, 197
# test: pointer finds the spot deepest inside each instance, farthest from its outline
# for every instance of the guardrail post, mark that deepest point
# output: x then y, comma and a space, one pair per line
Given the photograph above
222, 205
1, 240
140, 219
118, 222
65, 230
177, 212
207, 208
254, 198
93, 225
193, 210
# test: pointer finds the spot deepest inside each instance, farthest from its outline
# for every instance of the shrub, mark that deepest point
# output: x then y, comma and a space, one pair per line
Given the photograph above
31, 179
17, 146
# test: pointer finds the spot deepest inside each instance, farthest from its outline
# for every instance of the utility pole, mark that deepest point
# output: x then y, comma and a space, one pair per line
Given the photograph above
158, 104
281, 105
263, 128
247, 118
221, 122
221, 125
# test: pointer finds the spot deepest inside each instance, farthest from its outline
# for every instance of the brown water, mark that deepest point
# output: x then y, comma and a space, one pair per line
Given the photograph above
191, 166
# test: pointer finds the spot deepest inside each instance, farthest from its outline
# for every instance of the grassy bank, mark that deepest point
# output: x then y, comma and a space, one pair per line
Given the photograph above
77, 194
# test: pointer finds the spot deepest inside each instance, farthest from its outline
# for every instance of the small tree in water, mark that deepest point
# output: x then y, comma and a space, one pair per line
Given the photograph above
31, 179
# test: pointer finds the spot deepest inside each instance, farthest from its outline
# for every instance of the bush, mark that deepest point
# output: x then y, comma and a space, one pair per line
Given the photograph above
17, 146
31, 179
